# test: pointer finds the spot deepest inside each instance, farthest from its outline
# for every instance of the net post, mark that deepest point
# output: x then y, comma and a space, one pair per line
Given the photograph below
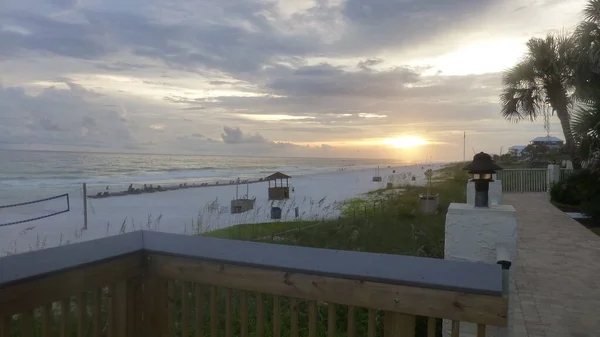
85, 215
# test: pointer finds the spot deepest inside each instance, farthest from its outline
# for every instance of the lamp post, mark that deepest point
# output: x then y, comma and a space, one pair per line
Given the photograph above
482, 167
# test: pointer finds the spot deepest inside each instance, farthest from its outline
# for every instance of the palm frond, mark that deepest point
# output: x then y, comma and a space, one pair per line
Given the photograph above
591, 12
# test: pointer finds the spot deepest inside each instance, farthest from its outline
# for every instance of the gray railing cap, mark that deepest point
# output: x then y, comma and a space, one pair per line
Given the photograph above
469, 277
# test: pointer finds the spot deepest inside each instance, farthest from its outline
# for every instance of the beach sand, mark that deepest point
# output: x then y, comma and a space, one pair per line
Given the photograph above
192, 210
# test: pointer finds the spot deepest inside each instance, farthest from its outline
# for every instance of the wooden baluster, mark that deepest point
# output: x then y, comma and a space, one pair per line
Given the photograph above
351, 322
5, 325
47, 320
228, 313
214, 319
260, 316
199, 290
294, 317
26, 321
81, 314
96, 313
399, 325
480, 330
244, 313
431, 327
276, 315
455, 329
371, 329
331, 320
110, 310
65, 309
312, 319
185, 309
171, 308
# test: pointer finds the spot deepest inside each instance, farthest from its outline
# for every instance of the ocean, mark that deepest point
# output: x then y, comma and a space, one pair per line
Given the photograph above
30, 175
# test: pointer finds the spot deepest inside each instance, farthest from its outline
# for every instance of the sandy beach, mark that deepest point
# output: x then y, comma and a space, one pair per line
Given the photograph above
191, 210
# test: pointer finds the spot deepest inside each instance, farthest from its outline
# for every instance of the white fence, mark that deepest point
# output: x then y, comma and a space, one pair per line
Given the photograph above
524, 180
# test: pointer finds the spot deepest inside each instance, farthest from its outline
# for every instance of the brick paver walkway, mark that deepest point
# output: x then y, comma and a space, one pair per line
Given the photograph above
557, 272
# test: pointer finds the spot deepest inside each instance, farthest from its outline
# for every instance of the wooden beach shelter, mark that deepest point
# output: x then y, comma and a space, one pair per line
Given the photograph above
278, 188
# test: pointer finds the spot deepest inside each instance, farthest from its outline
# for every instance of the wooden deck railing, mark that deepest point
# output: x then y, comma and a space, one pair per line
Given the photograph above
157, 284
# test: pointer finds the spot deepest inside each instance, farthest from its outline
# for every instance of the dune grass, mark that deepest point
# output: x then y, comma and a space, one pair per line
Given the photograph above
258, 230
381, 221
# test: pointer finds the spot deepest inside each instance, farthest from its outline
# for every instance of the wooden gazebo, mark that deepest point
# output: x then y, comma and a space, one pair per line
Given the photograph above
281, 190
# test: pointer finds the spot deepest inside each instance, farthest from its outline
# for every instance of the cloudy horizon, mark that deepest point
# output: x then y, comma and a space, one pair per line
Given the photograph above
255, 77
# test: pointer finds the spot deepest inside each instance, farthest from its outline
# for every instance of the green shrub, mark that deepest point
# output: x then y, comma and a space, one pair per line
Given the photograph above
582, 189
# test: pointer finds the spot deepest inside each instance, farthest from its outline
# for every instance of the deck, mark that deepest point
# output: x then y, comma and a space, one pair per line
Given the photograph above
557, 272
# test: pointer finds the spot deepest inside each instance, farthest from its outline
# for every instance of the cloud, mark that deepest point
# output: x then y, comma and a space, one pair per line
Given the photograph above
236, 136
110, 74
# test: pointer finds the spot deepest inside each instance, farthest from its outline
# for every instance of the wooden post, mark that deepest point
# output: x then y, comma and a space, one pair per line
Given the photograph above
85, 206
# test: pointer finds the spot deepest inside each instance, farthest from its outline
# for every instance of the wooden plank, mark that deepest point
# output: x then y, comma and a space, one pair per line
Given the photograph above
55, 287
81, 313
473, 308
398, 325
127, 315
228, 313
26, 324
65, 311
47, 320
372, 327
260, 315
155, 300
293, 317
312, 319
431, 326
331, 317
276, 317
185, 309
5, 326
171, 308
110, 310
214, 313
96, 313
351, 328
199, 304
244, 313
480, 330
455, 329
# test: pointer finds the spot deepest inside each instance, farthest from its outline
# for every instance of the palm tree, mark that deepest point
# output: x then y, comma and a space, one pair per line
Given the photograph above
586, 129
543, 78
587, 37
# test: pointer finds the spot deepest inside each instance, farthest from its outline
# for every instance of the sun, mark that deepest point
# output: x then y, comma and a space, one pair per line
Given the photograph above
405, 142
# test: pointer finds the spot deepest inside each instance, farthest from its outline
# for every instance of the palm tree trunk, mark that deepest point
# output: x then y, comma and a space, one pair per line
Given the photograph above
565, 123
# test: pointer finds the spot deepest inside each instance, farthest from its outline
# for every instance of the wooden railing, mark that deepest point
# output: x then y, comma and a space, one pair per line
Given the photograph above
157, 284
524, 180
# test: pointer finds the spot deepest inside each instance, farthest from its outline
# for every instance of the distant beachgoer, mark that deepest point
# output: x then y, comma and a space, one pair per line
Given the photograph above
130, 188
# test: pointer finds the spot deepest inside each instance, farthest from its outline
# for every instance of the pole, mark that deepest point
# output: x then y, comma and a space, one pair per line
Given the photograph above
85, 218
464, 146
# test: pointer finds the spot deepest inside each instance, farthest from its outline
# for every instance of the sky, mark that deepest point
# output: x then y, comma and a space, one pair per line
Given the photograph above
309, 78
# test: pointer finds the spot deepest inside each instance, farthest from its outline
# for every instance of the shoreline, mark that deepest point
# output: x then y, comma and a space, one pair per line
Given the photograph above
194, 210
159, 188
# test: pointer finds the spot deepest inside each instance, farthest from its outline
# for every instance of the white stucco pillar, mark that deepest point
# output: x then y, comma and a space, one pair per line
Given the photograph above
553, 175
495, 193
472, 234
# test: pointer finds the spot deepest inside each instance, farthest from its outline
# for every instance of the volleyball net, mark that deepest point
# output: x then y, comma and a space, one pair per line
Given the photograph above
17, 213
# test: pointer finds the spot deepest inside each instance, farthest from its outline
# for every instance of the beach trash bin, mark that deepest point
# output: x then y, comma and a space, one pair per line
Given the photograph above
275, 213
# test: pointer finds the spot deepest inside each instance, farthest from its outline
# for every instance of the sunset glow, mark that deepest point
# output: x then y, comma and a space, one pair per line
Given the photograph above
405, 142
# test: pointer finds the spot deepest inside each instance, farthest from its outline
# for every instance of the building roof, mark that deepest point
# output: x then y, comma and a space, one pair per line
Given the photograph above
547, 139
517, 147
277, 175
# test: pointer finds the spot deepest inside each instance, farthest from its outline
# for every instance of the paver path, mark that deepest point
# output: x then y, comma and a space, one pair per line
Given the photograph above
557, 271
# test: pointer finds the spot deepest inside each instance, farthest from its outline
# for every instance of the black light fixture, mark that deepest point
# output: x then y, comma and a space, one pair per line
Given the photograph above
482, 167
